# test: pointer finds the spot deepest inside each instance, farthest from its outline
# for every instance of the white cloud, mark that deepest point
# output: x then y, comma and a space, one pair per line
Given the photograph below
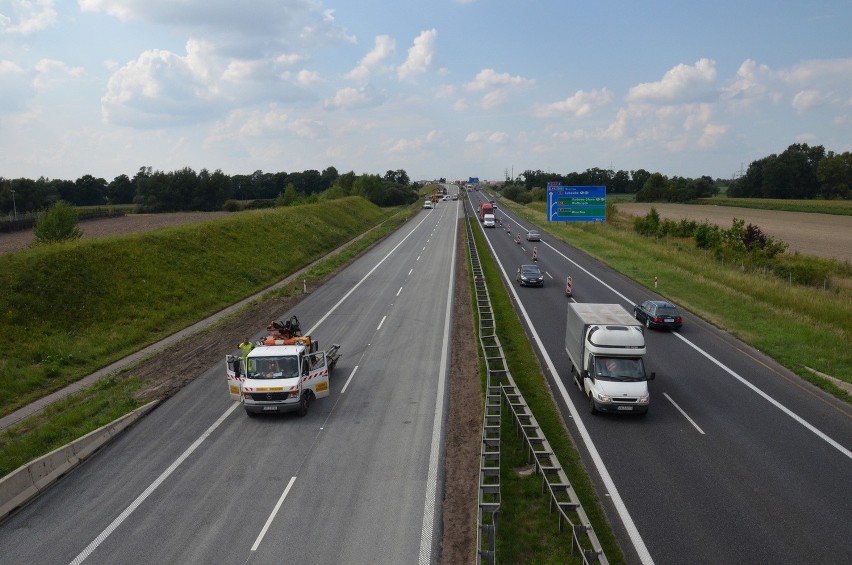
421, 56
807, 99
159, 88
431, 139
244, 125
28, 17
349, 98
256, 29
820, 71
497, 86
489, 137
749, 86
52, 73
683, 83
383, 47
580, 104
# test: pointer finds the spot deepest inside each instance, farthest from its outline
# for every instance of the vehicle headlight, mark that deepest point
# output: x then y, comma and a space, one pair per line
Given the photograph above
602, 397
643, 400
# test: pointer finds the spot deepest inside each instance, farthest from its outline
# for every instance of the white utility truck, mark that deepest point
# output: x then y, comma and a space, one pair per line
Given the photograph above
606, 346
284, 372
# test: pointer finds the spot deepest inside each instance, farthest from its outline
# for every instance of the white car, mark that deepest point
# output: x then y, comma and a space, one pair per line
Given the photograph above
428, 204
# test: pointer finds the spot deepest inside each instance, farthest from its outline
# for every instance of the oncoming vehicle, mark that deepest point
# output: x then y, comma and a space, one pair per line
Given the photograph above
428, 204
530, 275
658, 314
488, 221
533, 235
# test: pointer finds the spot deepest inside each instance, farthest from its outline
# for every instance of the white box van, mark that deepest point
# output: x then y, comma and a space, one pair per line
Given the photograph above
488, 220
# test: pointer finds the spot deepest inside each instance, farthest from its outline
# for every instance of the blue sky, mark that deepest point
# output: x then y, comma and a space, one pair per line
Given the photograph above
440, 88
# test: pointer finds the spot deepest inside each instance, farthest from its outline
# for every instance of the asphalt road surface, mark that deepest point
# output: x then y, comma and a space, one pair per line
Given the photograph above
737, 461
355, 481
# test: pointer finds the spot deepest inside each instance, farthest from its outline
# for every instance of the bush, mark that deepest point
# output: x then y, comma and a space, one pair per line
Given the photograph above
231, 206
57, 223
649, 225
707, 236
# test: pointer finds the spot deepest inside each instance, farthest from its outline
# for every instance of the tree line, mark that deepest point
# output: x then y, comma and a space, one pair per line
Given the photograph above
532, 185
185, 189
800, 172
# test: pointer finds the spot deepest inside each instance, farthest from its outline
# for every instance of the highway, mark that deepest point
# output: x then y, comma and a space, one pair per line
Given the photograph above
357, 480
738, 459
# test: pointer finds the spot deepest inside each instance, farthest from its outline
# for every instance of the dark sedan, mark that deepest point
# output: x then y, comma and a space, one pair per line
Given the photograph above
530, 275
658, 314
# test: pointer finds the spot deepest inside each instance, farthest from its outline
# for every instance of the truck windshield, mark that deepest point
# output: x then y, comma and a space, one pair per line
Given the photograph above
619, 369
273, 367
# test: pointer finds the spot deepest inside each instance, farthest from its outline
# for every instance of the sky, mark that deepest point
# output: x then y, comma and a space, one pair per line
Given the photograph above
439, 88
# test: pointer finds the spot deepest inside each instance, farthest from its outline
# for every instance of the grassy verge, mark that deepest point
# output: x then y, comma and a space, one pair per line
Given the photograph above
527, 531
113, 397
798, 326
71, 308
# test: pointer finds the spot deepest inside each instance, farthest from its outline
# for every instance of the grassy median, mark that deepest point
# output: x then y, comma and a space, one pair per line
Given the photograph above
527, 531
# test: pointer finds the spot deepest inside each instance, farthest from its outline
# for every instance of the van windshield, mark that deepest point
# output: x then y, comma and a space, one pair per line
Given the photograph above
619, 369
273, 367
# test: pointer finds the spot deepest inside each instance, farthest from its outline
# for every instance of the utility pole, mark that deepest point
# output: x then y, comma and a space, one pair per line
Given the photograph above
14, 206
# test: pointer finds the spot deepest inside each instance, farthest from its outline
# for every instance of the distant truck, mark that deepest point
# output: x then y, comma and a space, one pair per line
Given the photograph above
606, 347
485, 208
284, 372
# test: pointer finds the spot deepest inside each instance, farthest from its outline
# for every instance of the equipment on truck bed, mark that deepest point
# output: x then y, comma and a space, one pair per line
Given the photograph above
284, 372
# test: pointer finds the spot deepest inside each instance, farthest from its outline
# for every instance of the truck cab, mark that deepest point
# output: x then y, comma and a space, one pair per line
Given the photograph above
606, 347
278, 378
614, 373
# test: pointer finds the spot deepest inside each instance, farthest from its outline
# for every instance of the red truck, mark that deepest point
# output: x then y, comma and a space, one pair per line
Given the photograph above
485, 208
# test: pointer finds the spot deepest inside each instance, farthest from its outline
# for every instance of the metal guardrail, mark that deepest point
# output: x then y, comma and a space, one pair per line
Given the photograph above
500, 386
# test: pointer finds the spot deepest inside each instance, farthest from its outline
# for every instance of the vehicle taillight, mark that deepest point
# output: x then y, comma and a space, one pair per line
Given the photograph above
657, 319
679, 320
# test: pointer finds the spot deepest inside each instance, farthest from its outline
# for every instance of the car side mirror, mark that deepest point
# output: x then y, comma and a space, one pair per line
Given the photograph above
587, 375
651, 376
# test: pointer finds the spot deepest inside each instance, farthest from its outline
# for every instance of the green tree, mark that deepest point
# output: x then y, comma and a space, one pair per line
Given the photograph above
834, 174
120, 190
57, 223
654, 189
288, 197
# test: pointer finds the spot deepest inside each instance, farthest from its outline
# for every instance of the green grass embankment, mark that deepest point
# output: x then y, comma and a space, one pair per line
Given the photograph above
798, 326
71, 308
528, 532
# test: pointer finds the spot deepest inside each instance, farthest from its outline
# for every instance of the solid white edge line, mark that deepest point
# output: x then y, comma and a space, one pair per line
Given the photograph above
272, 515
685, 415
620, 507
348, 380
435, 451
151, 488
769, 399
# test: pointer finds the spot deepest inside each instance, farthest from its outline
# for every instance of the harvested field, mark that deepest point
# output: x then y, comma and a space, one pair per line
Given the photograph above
822, 235
92, 229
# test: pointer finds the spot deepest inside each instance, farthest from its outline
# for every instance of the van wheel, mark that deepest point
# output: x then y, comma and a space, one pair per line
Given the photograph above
250, 414
592, 409
304, 401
